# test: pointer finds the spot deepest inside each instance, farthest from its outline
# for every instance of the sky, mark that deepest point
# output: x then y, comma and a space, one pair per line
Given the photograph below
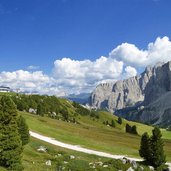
70, 46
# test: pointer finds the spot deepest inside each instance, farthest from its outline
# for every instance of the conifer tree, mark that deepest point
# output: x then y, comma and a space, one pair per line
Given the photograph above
134, 130
157, 157
112, 123
151, 149
10, 142
128, 128
120, 120
145, 147
40, 110
23, 130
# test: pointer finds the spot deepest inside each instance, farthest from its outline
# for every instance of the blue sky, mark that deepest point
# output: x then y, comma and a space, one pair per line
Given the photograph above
39, 32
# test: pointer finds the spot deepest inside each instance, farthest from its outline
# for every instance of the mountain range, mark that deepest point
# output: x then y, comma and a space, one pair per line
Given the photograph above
145, 97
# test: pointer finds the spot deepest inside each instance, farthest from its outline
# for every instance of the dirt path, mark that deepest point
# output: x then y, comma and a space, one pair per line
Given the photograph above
80, 149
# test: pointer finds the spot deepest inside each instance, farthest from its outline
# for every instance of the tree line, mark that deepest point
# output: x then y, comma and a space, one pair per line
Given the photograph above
14, 134
51, 106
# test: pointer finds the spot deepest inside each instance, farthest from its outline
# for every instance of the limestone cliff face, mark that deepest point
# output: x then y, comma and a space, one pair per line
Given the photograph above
150, 92
121, 94
118, 95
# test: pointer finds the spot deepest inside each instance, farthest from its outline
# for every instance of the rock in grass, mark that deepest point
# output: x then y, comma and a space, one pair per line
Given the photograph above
48, 163
134, 164
72, 157
130, 169
42, 149
151, 167
105, 165
123, 161
141, 168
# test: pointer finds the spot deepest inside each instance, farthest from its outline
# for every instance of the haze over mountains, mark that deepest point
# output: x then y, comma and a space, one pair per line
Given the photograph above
146, 97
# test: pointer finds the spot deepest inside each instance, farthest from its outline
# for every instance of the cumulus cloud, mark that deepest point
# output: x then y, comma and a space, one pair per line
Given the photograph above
29, 81
74, 76
86, 74
130, 72
159, 51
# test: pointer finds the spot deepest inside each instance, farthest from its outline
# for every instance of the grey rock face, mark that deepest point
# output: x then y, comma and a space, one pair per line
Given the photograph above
119, 95
151, 91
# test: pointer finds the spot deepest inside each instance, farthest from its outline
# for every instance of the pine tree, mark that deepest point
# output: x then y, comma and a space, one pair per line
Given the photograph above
145, 147
10, 142
40, 110
134, 130
128, 128
112, 123
151, 149
158, 157
120, 120
23, 130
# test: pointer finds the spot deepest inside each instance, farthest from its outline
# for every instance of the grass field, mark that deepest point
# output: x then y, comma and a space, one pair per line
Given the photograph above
91, 133
60, 158
36, 161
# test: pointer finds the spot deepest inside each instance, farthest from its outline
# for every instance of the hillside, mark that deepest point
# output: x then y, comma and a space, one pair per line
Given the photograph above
71, 123
145, 97
94, 134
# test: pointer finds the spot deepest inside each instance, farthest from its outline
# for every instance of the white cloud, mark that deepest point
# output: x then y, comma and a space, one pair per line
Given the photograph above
32, 67
130, 72
29, 81
74, 76
159, 51
84, 75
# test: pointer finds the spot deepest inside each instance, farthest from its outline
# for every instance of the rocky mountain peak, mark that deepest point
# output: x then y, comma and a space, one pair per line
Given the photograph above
142, 90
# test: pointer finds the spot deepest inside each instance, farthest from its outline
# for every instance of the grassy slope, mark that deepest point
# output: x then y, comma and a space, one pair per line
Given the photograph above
35, 161
91, 133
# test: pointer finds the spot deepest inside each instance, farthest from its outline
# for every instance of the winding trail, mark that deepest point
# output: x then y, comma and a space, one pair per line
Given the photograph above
80, 149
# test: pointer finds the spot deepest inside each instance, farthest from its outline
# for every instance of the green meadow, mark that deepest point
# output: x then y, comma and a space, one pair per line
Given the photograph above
92, 133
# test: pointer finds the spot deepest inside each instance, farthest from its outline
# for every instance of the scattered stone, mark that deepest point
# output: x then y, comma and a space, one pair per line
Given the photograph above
94, 166
65, 162
42, 149
59, 155
168, 169
105, 165
31, 110
54, 113
129, 161
48, 163
124, 161
134, 164
141, 168
72, 157
99, 163
151, 167
130, 169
